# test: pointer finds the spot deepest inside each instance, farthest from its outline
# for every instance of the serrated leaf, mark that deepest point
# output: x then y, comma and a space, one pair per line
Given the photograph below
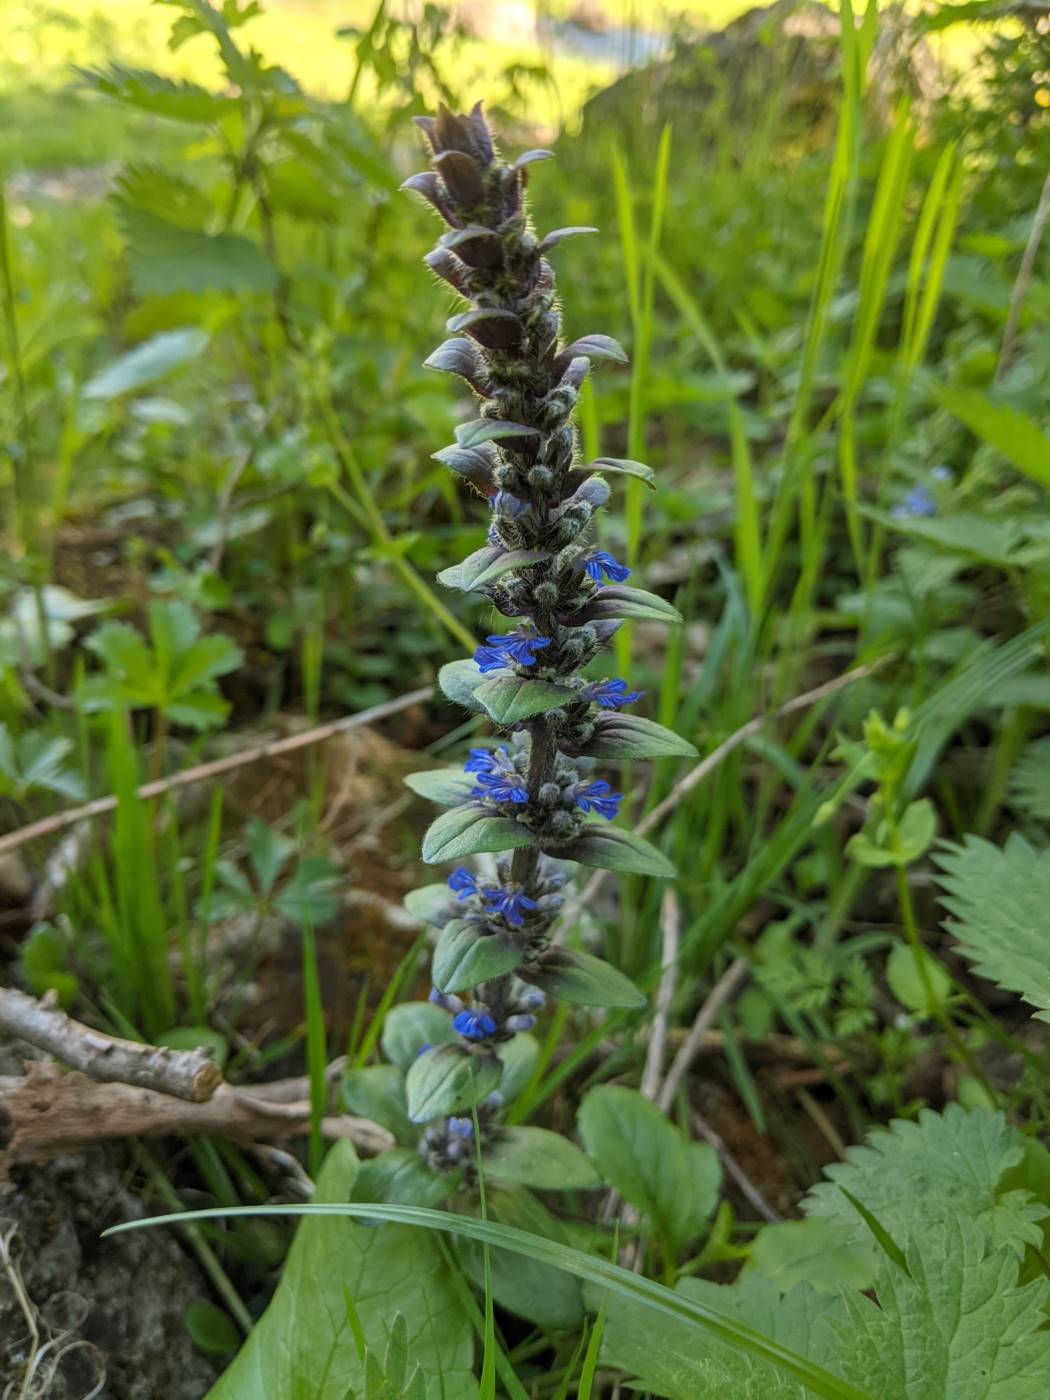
146, 363
411, 1026
465, 956
632, 736
467, 830
568, 974
448, 787
999, 899
151, 92
458, 680
622, 466
510, 699
544, 1160
449, 1079
489, 326
814, 1251
1011, 432
613, 848
651, 1163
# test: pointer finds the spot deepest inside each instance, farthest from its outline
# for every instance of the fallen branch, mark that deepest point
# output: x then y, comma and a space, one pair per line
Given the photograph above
183, 1074
717, 997
59, 821
49, 1111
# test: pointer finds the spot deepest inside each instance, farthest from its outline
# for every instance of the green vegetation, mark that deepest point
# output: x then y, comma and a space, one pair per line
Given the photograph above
784, 1131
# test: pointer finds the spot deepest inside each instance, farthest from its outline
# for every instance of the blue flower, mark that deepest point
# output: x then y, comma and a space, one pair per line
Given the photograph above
481, 761
463, 883
916, 504
461, 1128
500, 788
612, 695
942, 473
598, 796
519, 1023
512, 646
474, 1025
600, 562
509, 903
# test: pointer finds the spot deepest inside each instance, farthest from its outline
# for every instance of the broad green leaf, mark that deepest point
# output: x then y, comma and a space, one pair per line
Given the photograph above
673, 1181
617, 600
915, 1175
401, 1177
613, 848
146, 363
431, 904
510, 699
904, 975
378, 1092
1018, 437
303, 1345
409, 1027
814, 1251
459, 680
166, 258
916, 830
488, 564
569, 974
482, 430
622, 466
955, 1324
449, 1079
164, 97
465, 956
999, 899
465, 831
519, 1057
632, 736
597, 347
541, 1159
448, 787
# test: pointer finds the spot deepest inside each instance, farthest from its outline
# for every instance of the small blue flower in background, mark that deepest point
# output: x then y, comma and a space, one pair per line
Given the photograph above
463, 883
474, 1025
942, 473
598, 796
500, 788
600, 562
611, 695
461, 1128
509, 903
513, 646
917, 504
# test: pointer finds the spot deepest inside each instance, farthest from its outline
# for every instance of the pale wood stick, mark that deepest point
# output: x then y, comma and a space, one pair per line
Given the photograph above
671, 925
719, 994
47, 826
735, 1170
185, 1074
1024, 278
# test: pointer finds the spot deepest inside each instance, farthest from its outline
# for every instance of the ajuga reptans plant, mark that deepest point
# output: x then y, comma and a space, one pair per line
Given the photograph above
533, 800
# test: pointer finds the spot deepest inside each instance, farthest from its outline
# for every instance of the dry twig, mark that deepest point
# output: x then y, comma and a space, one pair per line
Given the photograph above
671, 924
719, 994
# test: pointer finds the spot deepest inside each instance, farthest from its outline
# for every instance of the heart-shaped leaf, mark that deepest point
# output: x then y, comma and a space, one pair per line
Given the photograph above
410, 1027
612, 848
465, 956
464, 831
449, 1079
545, 1160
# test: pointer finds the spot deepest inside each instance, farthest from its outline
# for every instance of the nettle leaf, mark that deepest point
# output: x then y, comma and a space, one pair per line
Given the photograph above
449, 1079
617, 600
541, 1159
1030, 781
510, 699
458, 681
475, 245
814, 1251
568, 974
464, 831
488, 564
597, 347
482, 430
999, 899
465, 956
448, 787
411, 1026
613, 848
622, 466
957, 1323
914, 1175
631, 736
304, 1345
151, 92
651, 1163
431, 904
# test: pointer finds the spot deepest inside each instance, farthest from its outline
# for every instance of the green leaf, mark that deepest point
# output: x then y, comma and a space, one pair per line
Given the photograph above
904, 974
467, 830
211, 1328
956, 1324
481, 430
36, 762
617, 600
303, 1345
1030, 781
1018, 437
486, 565
431, 904
312, 896
916, 830
519, 1057
401, 1177
673, 1181
459, 680
510, 699
146, 363
915, 1175
465, 956
999, 899
545, 1160
813, 1251
151, 92
597, 347
267, 852
582, 979
622, 466
196, 1038
449, 1079
631, 736
410, 1026
613, 848
378, 1092
448, 787
166, 258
